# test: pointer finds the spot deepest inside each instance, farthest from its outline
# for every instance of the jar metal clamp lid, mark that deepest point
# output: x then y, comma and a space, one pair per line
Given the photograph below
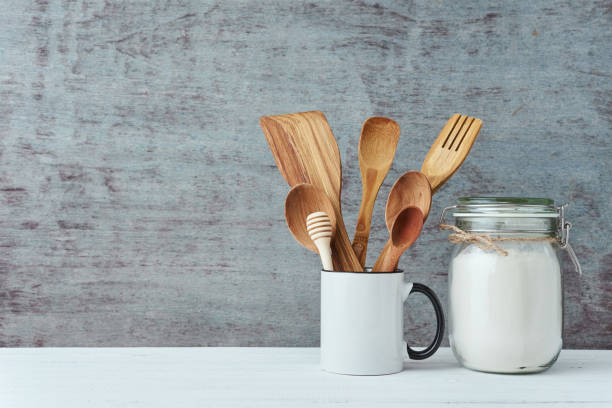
516, 216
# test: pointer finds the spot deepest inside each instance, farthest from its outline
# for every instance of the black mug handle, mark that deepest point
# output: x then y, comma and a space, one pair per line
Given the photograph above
431, 349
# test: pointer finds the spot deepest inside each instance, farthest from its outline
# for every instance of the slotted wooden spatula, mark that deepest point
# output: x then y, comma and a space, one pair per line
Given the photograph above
450, 149
305, 151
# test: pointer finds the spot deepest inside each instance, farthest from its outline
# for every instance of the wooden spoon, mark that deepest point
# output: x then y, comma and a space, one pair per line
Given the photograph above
450, 149
303, 200
305, 151
404, 232
377, 144
411, 189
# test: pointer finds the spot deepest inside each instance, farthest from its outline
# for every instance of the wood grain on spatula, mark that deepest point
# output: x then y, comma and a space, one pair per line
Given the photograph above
450, 149
305, 151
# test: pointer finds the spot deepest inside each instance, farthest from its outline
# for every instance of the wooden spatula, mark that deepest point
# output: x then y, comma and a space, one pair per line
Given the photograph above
377, 144
305, 151
450, 149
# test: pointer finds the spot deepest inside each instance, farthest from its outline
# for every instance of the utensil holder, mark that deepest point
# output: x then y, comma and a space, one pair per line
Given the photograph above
362, 322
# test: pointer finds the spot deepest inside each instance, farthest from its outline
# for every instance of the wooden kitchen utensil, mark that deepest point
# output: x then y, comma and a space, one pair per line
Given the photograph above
404, 232
321, 230
450, 149
377, 144
303, 200
411, 189
305, 151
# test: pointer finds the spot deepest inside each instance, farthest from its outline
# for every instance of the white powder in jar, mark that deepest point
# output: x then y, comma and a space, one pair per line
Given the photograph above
506, 311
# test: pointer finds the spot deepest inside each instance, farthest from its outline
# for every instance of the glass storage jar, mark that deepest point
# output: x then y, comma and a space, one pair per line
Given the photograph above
505, 284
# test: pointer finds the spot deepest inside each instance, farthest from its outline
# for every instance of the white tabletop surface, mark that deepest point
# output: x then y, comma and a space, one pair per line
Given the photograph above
280, 377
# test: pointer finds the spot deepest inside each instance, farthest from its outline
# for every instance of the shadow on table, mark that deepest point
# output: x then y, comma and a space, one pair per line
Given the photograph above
430, 365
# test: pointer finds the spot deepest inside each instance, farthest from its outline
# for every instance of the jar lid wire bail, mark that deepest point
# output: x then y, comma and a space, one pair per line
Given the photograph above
565, 227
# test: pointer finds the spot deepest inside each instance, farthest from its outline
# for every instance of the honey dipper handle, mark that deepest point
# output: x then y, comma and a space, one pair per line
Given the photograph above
325, 252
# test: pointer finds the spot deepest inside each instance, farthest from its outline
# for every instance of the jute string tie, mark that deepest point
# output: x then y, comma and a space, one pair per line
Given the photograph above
487, 242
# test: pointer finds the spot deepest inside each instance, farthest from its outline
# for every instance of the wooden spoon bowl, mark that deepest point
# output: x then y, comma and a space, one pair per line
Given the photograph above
303, 200
411, 189
405, 230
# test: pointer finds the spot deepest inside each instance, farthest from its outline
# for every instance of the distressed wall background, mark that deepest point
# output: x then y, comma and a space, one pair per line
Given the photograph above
140, 204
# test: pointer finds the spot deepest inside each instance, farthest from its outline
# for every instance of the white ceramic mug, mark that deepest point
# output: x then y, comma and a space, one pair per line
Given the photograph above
362, 324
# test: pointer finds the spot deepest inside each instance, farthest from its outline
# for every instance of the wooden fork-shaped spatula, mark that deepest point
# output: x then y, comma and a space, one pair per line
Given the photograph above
450, 149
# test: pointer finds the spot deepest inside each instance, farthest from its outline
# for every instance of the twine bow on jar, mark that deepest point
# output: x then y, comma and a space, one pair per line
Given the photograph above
488, 242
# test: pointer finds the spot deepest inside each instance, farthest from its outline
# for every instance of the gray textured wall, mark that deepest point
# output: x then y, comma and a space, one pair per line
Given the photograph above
140, 204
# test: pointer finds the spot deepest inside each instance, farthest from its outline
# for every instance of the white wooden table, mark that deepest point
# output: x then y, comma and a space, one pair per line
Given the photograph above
280, 377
